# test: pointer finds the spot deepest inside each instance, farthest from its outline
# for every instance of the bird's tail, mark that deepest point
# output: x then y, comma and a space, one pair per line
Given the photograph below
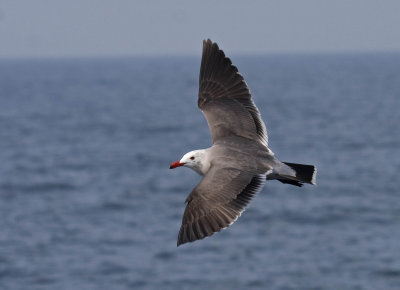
304, 174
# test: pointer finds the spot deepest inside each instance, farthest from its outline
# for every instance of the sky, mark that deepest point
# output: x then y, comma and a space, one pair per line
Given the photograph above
56, 28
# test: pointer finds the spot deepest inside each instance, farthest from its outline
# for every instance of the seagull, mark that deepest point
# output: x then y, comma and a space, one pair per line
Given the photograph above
238, 163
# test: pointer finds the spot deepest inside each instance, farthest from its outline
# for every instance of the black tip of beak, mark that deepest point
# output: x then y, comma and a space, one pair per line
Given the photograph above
170, 167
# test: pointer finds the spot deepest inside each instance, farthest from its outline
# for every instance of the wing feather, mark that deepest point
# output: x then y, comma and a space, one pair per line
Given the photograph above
222, 90
215, 203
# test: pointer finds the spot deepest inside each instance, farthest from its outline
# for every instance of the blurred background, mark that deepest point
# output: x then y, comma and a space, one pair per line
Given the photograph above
97, 98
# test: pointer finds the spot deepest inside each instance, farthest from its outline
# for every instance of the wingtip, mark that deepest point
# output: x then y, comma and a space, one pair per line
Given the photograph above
208, 43
182, 241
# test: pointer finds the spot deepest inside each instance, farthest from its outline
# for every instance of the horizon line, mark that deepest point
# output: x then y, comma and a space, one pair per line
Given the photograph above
186, 55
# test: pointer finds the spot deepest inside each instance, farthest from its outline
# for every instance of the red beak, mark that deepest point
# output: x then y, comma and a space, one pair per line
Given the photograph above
176, 164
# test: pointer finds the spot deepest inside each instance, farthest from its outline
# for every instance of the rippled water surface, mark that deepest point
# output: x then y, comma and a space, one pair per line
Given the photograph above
87, 200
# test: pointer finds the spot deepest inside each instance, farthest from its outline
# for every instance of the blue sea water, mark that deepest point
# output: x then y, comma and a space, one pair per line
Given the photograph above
87, 200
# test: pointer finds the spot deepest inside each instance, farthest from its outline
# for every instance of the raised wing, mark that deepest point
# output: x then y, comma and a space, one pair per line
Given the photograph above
225, 99
217, 201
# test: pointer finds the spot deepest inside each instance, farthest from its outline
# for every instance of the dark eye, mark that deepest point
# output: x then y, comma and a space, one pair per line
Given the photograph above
192, 158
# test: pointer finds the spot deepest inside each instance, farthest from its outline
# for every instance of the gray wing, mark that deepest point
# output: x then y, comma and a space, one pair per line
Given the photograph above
217, 201
225, 99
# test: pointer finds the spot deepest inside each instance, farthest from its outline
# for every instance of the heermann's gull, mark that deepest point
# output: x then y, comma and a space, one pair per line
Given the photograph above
236, 166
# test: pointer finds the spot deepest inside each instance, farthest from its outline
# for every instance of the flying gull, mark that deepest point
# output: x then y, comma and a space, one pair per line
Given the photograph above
235, 167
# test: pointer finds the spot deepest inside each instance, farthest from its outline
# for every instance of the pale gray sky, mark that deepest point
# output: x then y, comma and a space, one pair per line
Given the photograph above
37, 28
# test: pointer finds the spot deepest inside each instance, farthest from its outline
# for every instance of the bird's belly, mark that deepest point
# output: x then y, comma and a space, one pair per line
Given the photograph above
249, 158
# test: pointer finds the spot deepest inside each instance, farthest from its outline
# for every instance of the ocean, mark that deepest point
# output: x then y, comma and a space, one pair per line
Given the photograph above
87, 200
